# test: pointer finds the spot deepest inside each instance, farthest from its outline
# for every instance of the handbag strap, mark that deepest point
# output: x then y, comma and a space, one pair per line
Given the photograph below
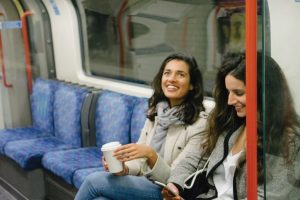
205, 165
193, 176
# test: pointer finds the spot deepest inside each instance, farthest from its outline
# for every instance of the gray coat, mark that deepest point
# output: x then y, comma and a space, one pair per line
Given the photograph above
283, 183
195, 160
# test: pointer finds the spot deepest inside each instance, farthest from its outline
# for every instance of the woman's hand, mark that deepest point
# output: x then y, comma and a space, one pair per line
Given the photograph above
133, 151
124, 172
105, 164
168, 196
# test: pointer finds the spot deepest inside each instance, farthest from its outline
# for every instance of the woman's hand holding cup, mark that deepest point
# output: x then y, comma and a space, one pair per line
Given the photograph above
110, 163
105, 164
124, 172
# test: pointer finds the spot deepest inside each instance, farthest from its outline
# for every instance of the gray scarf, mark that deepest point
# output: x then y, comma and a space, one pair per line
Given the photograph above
165, 117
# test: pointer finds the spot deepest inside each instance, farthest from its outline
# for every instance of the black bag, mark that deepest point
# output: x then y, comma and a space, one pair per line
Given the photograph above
196, 184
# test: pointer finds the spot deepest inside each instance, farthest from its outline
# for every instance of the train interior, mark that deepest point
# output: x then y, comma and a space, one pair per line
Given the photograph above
68, 67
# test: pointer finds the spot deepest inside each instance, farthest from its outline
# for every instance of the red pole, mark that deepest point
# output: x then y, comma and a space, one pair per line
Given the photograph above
121, 37
27, 51
251, 90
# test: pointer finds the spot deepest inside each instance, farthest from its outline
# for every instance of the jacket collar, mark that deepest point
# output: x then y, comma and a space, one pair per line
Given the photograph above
224, 143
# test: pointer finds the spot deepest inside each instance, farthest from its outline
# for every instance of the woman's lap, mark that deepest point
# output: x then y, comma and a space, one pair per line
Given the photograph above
104, 184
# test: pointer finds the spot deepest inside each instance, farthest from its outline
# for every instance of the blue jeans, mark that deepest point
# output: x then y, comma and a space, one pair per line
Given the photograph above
104, 186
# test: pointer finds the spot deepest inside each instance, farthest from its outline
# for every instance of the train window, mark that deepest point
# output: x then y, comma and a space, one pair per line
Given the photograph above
127, 40
39, 30
281, 105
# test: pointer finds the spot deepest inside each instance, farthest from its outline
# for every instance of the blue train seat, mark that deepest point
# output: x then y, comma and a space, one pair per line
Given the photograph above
68, 101
112, 123
137, 122
138, 118
42, 98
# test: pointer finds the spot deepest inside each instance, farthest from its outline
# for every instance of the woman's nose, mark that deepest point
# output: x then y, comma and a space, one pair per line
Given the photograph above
231, 99
172, 77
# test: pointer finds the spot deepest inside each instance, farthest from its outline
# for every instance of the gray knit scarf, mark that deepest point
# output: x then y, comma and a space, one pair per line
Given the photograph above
165, 117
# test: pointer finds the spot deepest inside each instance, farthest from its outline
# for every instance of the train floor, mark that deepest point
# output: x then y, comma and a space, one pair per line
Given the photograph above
5, 195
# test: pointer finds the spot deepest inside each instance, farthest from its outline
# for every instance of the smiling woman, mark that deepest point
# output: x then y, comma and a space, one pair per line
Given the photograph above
176, 81
175, 125
236, 94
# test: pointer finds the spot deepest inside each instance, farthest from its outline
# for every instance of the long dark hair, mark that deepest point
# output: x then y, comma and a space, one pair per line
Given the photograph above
223, 117
281, 123
192, 104
281, 120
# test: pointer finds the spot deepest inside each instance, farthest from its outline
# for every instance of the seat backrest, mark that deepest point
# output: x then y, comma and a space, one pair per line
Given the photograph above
68, 101
88, 119
138, 118
42, 98
112, 117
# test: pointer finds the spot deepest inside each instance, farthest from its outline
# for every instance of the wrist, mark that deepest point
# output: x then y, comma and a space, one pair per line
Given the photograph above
126, 170
152, 158
151, 154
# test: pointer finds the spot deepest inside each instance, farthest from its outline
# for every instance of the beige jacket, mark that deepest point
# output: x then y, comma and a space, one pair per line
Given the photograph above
181, 139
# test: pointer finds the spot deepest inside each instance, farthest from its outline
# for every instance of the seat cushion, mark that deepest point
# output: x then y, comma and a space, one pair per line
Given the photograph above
25, 133
138, 118
65, 163
42, 99
81, 174
112, 118
68, 101
28, 153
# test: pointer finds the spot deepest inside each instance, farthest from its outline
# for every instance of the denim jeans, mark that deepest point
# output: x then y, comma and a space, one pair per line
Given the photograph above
105, 186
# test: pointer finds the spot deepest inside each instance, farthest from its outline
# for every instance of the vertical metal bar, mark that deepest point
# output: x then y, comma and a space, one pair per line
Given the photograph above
120, 31
251, 90
27, 51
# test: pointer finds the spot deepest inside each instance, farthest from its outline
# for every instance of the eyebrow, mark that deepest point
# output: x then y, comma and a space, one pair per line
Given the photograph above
180, 71
239, 90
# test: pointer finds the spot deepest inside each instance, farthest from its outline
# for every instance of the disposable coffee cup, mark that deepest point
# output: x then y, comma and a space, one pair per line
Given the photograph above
114, 165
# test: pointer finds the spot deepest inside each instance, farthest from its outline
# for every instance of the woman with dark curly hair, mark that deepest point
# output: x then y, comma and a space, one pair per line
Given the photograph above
225, 142
176, 121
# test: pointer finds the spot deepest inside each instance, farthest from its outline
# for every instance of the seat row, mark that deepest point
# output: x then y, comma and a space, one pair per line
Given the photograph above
70, 123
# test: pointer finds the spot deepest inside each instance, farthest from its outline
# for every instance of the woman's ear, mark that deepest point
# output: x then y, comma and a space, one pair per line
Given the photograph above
191, 87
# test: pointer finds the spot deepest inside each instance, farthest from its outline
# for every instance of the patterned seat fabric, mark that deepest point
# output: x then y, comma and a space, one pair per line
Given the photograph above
28, 153
65, 163
42, 115
137, 122
68, 101
42, 99
138, 118
112, 121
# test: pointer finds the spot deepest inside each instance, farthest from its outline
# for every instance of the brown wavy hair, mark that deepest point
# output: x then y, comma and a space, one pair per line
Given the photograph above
278, 123
192, 104
223, 117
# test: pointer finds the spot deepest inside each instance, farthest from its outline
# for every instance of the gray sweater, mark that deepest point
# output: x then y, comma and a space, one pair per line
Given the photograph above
283, 184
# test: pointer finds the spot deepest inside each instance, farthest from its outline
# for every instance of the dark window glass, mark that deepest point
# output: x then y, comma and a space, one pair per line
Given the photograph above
127, 40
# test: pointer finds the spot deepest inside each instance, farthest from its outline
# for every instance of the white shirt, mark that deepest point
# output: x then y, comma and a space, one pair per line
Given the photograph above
223, 176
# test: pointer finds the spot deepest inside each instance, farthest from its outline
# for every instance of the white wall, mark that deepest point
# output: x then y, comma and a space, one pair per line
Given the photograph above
285, 41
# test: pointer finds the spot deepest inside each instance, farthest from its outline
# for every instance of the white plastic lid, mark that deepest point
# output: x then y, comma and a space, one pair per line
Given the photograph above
110, 146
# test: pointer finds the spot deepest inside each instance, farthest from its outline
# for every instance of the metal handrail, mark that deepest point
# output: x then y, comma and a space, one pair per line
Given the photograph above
121, 38
28, 66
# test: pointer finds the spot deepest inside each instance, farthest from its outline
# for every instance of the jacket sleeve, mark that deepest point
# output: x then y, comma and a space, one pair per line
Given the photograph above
161, 170
186, 167
135, 166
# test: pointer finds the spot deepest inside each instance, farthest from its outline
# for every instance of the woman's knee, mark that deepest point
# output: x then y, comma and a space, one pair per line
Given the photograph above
95, 178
